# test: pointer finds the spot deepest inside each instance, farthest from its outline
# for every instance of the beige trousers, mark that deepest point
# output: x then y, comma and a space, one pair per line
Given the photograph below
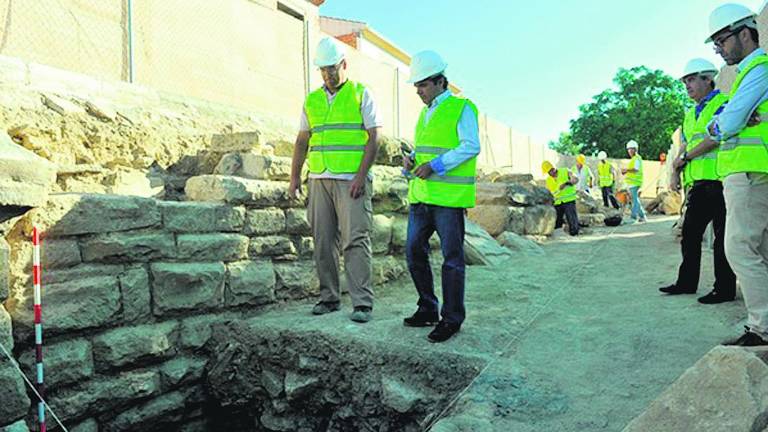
746, 243
341, 223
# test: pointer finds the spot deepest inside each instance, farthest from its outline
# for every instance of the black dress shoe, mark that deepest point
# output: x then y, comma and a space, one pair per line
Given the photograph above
443, 332
674, 290
421, 319
748, 339
715, 297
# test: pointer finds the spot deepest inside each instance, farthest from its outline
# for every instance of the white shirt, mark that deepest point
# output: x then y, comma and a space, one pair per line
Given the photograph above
583, 175
371, 119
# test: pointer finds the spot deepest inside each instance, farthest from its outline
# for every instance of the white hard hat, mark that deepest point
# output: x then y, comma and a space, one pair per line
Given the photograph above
699, 66
329, 52
632, 144
426, 64
602, 155
732, 16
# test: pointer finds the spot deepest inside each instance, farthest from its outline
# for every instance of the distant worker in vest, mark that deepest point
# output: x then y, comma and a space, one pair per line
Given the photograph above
705, 202
561, 183
442, 188
633, 177
742, 161
339, 129
583, 174
607, 179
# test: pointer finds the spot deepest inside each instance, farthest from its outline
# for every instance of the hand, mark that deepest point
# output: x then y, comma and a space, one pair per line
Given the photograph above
423, 171
357, 188
624, 171
754, 119
564, 185
294, 187
679, 163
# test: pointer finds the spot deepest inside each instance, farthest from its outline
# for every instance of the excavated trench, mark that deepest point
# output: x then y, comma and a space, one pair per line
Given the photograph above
273, 379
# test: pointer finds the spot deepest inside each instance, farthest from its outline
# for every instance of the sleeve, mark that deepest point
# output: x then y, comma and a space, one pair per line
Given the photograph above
371, 115
751, 93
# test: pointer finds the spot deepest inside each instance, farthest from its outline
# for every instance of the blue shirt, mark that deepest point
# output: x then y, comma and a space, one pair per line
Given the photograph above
700, 107
469, 138
751, 93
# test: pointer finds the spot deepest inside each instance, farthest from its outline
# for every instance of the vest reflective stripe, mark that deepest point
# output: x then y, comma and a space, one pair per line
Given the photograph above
605, 173
702, 167
748, 151
438, 136
338, 139
567, 194
635, 178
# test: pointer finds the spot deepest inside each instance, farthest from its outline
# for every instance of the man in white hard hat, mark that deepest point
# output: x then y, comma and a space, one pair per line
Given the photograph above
607, 178
705, 202
633, 177
339, 129
742, 161
442, 188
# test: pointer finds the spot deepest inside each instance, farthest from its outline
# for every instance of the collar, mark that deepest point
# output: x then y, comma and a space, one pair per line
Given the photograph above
327, 90
745, 62
440, 98
706, 99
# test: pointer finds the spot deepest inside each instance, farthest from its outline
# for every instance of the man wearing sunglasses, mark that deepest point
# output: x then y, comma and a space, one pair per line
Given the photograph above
742, 161
339, 128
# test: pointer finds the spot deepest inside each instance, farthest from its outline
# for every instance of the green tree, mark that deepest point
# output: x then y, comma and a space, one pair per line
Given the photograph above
565, 144
646, 106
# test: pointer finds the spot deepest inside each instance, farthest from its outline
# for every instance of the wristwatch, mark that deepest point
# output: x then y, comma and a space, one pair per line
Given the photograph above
684, 156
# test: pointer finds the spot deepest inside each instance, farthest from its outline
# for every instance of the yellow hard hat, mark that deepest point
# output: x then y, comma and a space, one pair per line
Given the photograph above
546, 166
581, 159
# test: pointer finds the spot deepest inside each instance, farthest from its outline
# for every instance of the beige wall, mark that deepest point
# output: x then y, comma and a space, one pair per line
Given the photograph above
249, 55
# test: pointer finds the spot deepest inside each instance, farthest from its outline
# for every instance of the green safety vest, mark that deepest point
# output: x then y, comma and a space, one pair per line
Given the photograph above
747, 151
605, 173
635, 178
338, 135
703, 167
438, 136
565, 195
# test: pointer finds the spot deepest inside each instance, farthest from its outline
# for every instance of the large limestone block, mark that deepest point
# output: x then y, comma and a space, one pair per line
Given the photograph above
235, 142
104, 394
239, 191
133, 182
520, 194
129, 247
493, 218
77, 304
400, 396
265, 221
212, 247
725, 391
587, 204
179, 287
540, 220
386, 269
296, 222
296, 280
66, 362
165, 409
399, 233
592, 219
516, 222
381, 234
481, 248
60, 253
390, 189
250, 282
13, 394
181, 370
135, 293
74, 214
201, 217
196, 331
519, 244
271, 246
262, 167
19, 426
135, 345
25, 178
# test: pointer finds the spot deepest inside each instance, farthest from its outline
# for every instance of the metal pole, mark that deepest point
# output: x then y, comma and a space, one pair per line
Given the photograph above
131, 71
38, 322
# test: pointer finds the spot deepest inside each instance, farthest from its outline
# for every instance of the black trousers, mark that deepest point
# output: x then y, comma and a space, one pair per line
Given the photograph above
608, 196
705, 204
567, 211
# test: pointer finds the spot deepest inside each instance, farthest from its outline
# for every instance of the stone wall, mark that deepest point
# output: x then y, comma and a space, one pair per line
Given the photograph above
132, 286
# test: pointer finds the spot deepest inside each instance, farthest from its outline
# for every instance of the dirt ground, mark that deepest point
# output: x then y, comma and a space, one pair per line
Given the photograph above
578, 339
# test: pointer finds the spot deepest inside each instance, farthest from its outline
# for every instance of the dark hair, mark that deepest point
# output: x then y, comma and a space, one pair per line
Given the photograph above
754, 35
436, 79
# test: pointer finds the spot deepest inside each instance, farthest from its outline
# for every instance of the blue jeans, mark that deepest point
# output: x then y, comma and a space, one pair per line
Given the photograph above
637, 208
423, 221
